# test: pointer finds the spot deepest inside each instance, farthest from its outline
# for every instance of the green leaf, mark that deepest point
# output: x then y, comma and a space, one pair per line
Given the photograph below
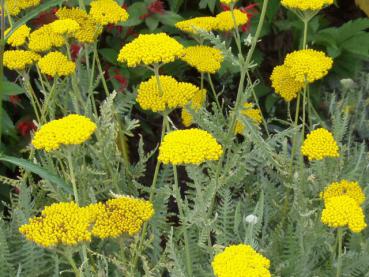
170, 18
10, 88
36, 169
109, 55
152, 23
135, 11
175, 5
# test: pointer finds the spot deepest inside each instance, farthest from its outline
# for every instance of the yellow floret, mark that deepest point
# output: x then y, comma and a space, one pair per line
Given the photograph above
225, 20
320, 144
191, 26
44, 38
305, 5
107, 12
344, 187
19, 59
228, 2
284, 84
174, 94
252, 114
341, 211
56, 64
204, 58
14, 7
191, 146
197, 102
150, 49
70, 130
67, 27
19, 37
240, 261
308, 64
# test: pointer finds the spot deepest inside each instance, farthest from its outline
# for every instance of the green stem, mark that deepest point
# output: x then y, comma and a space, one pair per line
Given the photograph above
101, 72
68, 256
214, 92
157, 76
339, 258
2, 48
82, 4
32, 96
85, 259
304, 41
202, 81
295, 124
45, 106
72, 175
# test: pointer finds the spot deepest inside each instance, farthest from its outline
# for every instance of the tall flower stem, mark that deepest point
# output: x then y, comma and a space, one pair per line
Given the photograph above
214, 92
32, 96
72, 175
2, 48
48, 100
339, 257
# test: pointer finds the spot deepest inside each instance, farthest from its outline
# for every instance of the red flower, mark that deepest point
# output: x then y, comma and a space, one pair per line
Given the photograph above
250, 10
122, 81
25, 127
156, 7
75, 49
14, 99
45, 17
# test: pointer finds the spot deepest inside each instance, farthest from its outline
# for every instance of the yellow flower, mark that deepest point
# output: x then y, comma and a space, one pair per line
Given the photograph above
308, 63
43, 39
66, 27
284, 84
204, 58
341, 211
150, 49
88, 31
191, 146
107, 12
197, 102
122, 215
228, 2
320, 144
191, 26
305, 5
225, 20
174, 95
60, 223
19, 59
344, 187
253, 114
240, 261
70, 130
18, 38
56, 64
14, 7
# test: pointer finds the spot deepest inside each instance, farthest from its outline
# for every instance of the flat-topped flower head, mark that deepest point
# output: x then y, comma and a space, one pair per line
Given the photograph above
70, 130
19, 59
193, 25
342, 211
204, 58
172, 95
320, 144
225, 20
150, 49
14, 7
122, 215
197, 102
240, 261
66, 27
107, 12
344, 187
44, 38
284, 84
19, 37
191, 146
228, 2
56, 64
59, 224
252, 114
308, 64
305, 5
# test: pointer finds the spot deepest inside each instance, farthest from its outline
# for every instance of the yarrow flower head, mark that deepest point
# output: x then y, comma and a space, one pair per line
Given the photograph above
341, 211
19, 37
304, 5
150, 49
70, 130
225, 20
204, 58
284, 84
56, 64
122, 215
344, 187
14, 7
197, 102
308, 64
240, 261
107, 12
44, 38
252, 114
67, 27
191, 146
169, 94
193, 25
320, 144
19, 59
228, 2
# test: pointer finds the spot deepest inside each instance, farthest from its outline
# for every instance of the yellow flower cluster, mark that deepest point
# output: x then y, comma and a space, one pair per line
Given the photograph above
174, 94
60, 223
43, 39
225, 20
253, 114
197, 102
107, 12
150, 49
19, 59
341, 211
228, 2
191, 146
240, 261
305, 5
122, 215
88, 31
284, 84
204, 58
14, 7
67, 27
72, 129
19, 37
191, 26
344, 187
56, 64
320, 144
